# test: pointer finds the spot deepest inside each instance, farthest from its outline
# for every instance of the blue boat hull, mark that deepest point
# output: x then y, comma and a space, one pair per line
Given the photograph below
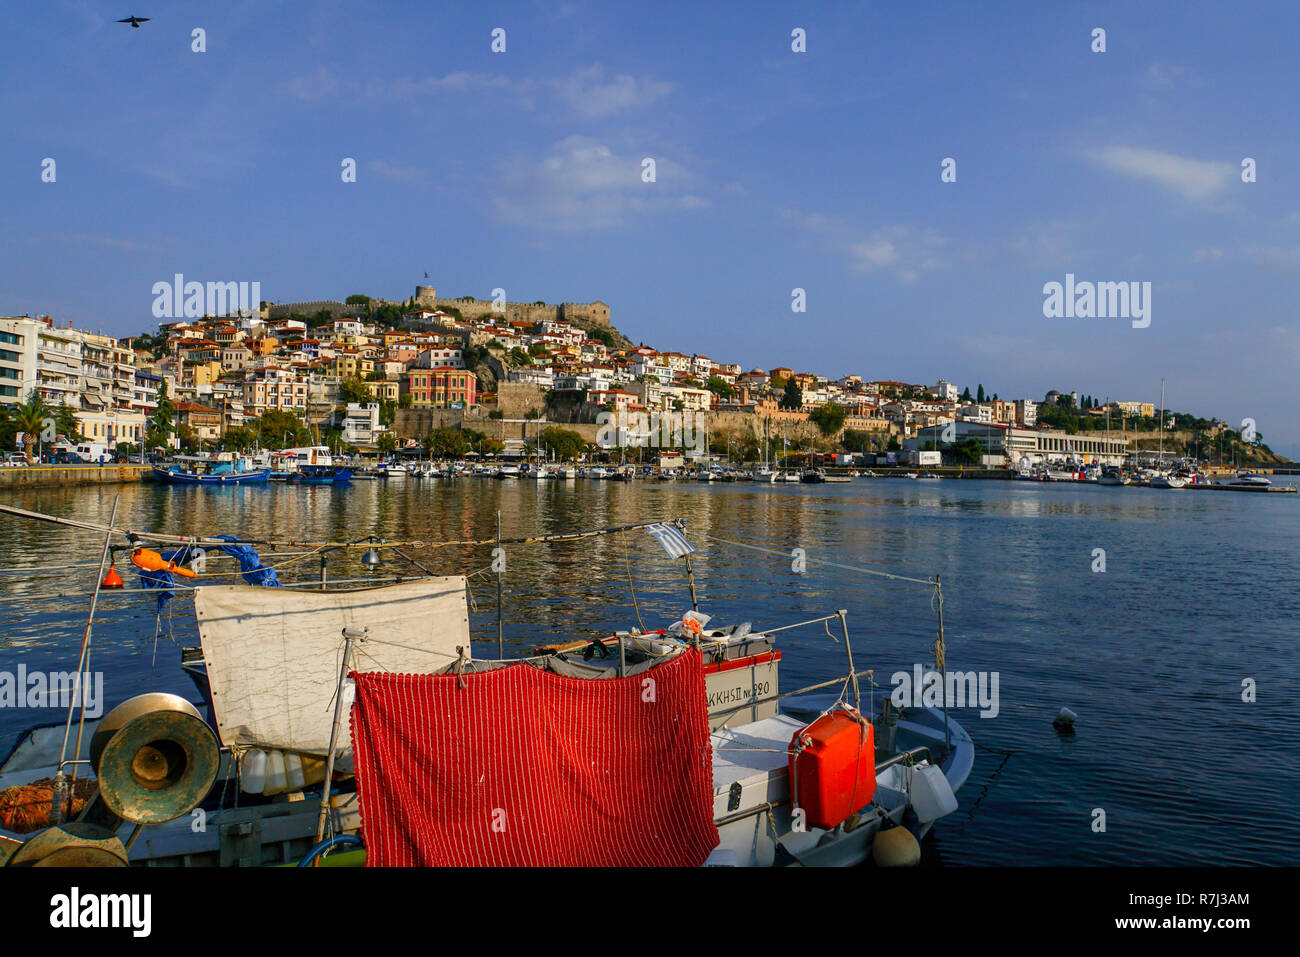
322, 475
231, 478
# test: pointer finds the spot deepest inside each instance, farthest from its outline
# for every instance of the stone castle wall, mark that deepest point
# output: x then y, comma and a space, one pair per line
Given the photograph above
337, 310
530, 312
426, 297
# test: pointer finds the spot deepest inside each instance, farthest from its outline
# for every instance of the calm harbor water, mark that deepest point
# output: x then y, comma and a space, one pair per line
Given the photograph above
1200, 591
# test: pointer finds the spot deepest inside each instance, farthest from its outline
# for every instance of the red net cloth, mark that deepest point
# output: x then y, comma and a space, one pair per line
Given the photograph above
520, 766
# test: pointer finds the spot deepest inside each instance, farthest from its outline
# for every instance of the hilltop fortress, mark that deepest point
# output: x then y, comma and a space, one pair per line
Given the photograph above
426, 297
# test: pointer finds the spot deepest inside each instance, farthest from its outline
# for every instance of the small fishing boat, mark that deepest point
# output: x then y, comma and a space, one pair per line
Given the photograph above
812, 476
315, 465
221, 469
798, 778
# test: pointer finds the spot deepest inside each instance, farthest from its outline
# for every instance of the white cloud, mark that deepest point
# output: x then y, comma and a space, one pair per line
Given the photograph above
1194, 179
583, 183
314, 86
1163, 76
1278, 256
589, 93
1207, 254
906, 252
461, 81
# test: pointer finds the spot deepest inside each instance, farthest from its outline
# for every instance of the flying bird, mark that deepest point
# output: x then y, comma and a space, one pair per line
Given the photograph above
135, 21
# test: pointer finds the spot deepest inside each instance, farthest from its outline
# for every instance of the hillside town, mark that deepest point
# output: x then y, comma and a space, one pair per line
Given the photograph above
371, 376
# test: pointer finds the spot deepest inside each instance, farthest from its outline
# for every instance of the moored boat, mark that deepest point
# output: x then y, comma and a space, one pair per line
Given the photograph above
222, 469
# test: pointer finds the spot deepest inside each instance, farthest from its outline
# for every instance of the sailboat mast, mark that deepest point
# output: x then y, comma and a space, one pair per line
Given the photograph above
1161, 460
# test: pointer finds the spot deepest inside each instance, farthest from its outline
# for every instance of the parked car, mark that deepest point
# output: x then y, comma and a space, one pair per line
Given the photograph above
13, 460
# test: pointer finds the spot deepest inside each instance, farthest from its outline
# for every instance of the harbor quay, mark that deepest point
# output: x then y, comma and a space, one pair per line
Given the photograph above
57, 476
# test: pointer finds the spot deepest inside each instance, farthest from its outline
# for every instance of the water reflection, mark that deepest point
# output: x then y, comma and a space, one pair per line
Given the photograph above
1200, 591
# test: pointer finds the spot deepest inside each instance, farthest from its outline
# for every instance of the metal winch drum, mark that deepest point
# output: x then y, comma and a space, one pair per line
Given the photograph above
155, 757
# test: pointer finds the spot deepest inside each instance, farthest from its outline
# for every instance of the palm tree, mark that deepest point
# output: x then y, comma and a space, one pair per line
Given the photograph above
29, 416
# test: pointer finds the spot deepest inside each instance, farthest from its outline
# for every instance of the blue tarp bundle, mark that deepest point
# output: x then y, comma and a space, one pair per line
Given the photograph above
250, 564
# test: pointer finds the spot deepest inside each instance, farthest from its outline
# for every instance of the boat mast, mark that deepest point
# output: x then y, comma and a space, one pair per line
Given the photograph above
1161, 459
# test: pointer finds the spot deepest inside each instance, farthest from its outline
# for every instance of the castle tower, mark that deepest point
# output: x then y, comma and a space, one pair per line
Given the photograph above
426, 296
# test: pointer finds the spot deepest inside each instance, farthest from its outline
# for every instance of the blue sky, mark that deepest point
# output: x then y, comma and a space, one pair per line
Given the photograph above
775, 170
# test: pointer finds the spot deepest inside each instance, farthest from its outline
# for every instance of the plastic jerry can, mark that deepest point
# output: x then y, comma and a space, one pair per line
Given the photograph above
832, 764
252, 772
930, 793
275, 777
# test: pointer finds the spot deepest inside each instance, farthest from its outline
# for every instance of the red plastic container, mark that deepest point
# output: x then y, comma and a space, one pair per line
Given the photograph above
833, 768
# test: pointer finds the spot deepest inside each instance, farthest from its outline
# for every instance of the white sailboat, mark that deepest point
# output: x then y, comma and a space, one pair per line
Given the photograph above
1165, 478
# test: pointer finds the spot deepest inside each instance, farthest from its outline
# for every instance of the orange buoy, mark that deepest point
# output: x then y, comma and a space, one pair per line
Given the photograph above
111, 578
151, 561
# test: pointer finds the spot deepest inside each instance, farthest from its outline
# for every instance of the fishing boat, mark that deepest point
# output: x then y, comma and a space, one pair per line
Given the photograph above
221, 469
812, 476
275, 779
315, 465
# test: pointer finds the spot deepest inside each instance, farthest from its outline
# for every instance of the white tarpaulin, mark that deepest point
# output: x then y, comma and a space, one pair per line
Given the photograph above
273, 654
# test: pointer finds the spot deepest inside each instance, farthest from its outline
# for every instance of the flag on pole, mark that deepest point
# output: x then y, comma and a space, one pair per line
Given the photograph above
671, 538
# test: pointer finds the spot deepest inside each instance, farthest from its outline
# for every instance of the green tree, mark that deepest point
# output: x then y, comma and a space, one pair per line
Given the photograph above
793, 397
241, 438
353, 389
162, 422
829, 418
720, 387
187, 437
447, 443
387, 442
278, 429
29, 418
979, 394
65, 421
405, 400
566, 443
